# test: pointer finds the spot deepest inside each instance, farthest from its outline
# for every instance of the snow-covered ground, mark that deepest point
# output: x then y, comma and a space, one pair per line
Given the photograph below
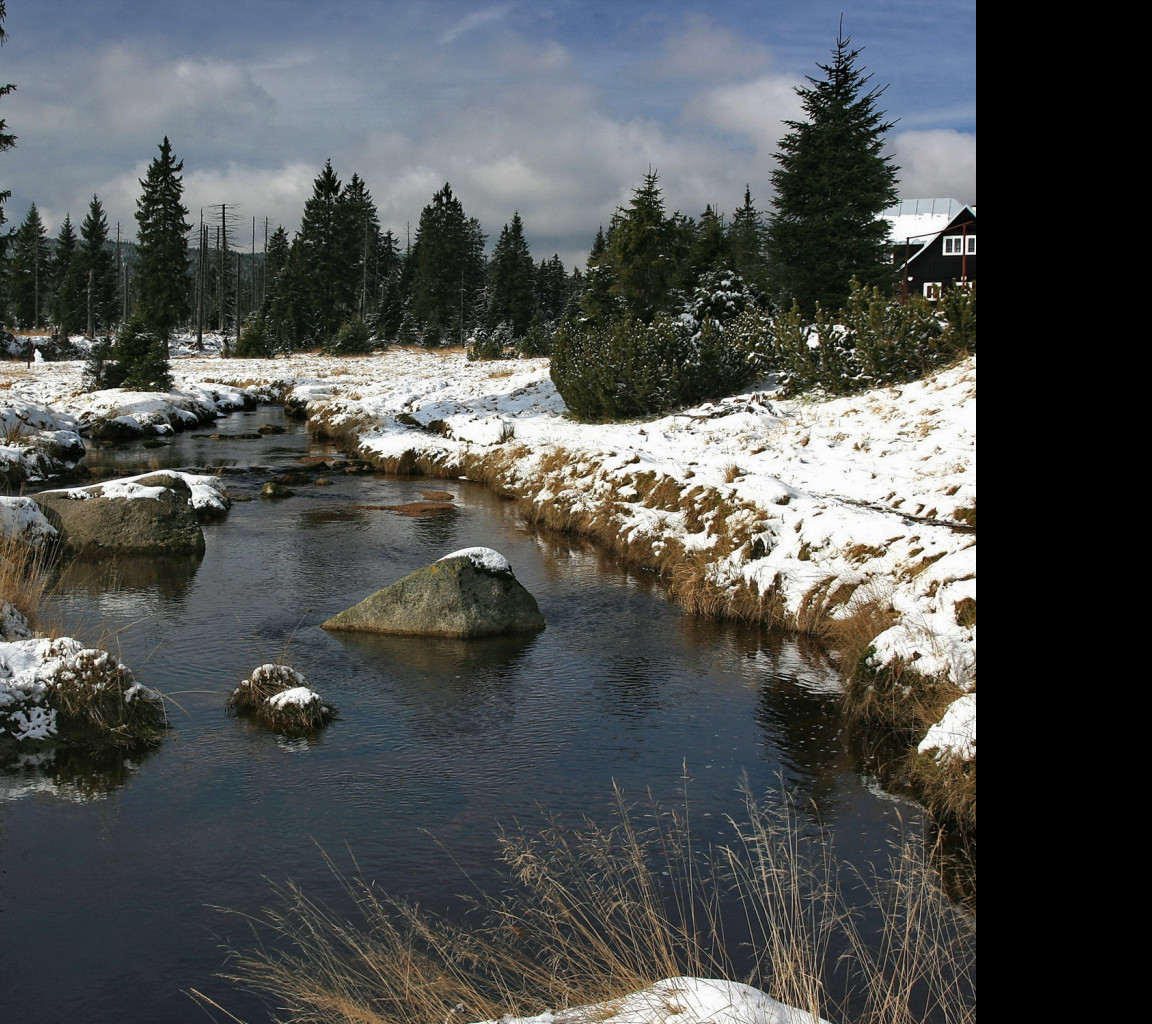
831, 503
683, 1000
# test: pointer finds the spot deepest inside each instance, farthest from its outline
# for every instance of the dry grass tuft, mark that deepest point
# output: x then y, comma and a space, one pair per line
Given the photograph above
98, 703
277, 697
595, 911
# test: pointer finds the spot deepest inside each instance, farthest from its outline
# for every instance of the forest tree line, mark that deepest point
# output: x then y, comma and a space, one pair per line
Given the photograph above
670, 308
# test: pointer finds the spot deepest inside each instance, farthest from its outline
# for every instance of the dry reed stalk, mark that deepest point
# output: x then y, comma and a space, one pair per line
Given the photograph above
597, 911
25, 575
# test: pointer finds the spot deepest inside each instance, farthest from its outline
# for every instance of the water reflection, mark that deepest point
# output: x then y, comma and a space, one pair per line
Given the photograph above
447, 687
75, 776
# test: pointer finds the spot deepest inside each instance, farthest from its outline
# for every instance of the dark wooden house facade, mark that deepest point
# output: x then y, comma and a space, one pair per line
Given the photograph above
934, 244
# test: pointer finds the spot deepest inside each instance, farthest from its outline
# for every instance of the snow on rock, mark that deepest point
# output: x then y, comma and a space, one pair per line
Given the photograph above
954, 736
208, 493
36, 441
485, 559
683, 1000
21, 519
29, 668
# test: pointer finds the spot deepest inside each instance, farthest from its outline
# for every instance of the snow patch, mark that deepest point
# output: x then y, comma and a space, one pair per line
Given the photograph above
485, 559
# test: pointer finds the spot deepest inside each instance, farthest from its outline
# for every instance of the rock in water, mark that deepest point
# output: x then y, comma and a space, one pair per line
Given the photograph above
470, 593
145, 515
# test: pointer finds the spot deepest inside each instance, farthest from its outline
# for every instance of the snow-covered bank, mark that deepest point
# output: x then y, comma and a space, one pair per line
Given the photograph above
817, 508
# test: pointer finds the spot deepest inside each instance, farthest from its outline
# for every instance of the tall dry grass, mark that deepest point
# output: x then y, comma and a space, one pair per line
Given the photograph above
25, 575
598, 910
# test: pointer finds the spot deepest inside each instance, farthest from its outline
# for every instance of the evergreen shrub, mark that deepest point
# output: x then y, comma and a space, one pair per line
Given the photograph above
874, 341
254, 341
352, 339
619, 367
96, 365
537, 341
139, 359
496, 343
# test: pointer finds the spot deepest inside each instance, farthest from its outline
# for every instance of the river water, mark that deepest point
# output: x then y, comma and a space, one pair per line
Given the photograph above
112, 876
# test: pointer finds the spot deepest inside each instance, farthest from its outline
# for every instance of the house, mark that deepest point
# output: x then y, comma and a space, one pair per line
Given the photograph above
934, 243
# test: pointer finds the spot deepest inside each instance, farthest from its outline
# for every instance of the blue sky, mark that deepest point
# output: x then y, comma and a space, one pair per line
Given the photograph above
554, 108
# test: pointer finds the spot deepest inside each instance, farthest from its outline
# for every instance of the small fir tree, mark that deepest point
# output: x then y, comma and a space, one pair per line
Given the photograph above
832, 181
139, 359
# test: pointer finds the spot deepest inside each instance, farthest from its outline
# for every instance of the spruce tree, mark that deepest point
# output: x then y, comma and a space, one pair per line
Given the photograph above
328, 256
286, 301
98, 271
832, 181
362, 232
552, 288
644, 250
447, 269
709, 248
30, 272
511, 280
162, 249
68, 291
747, 242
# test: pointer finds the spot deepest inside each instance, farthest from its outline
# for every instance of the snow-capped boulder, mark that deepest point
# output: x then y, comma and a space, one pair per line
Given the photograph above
469, 593
151, 514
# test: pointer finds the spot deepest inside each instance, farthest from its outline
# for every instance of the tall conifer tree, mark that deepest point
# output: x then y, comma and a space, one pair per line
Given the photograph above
832, 180
448, 268
328, 256
30, 272
98, 268
68, 292
162, 248
511, 280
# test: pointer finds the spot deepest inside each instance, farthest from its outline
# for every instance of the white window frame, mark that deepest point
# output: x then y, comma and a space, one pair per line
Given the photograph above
959, 245
933, 290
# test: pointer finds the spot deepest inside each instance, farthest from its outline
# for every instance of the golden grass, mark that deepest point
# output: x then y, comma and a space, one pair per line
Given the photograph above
595, 911
25, 575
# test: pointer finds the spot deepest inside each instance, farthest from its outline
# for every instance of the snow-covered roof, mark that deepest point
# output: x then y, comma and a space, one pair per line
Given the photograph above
917, 218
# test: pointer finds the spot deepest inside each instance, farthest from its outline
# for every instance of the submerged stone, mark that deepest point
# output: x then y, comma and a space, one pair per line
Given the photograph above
470, 593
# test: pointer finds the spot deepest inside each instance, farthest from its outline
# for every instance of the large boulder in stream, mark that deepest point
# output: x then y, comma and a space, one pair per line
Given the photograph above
470, 593
151, 514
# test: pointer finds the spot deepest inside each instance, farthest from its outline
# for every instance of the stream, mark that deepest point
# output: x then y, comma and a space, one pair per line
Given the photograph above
112, 874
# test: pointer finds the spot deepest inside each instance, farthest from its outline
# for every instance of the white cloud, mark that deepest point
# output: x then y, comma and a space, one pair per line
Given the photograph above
754, 109
939, 163
475, 20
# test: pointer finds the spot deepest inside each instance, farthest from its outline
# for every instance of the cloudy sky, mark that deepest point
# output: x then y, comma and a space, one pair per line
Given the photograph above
555, 108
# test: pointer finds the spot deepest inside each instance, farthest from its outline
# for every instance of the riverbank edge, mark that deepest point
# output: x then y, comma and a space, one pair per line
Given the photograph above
890, 706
